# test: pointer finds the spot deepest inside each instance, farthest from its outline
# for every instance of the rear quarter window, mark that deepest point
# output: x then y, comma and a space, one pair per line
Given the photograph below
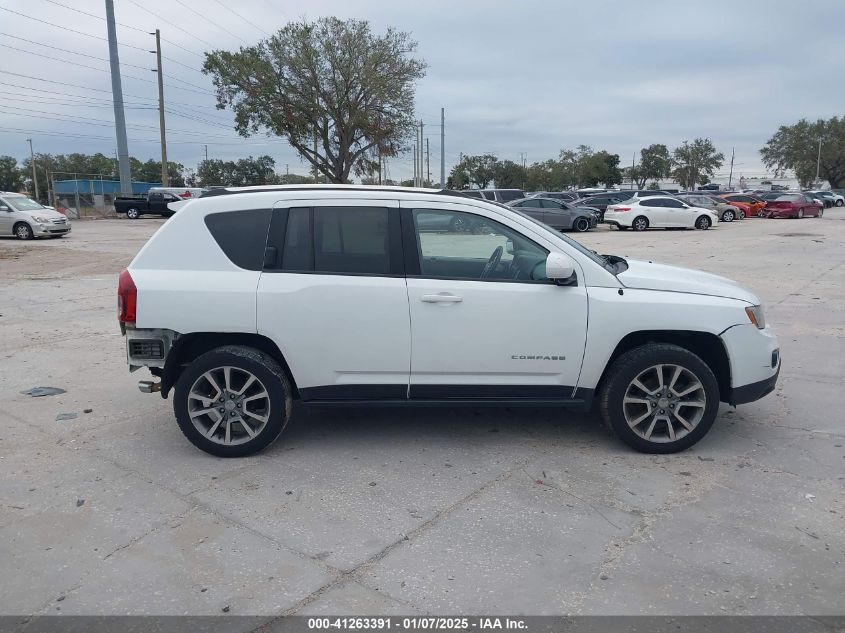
241, 235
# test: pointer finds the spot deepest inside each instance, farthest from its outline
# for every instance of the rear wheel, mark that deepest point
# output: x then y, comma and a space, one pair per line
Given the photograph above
640, 223
581, 225
23, 231
820, 213
232, 401
839, 203
800, 213
133, 213
660, 398
703, 223
728, 216
741, 214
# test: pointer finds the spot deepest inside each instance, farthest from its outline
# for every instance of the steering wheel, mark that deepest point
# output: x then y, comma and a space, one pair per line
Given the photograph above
491, 264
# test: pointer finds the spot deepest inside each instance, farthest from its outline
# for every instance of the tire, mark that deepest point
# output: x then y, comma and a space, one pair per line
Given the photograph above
640, 223
133, 213
652, 434
703, 223
23, 231
839, 203
622, 228
269, 392
581, 225
800, 214
741, 214
728, 216
820, 213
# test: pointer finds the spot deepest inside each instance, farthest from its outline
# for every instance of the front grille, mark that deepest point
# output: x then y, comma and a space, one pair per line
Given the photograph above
60, 221
146, 349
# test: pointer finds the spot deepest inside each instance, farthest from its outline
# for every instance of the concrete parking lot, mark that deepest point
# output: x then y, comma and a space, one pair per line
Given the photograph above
399, 511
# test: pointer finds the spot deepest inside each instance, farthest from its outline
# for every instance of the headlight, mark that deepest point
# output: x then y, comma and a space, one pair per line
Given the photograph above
755, 315
40, 220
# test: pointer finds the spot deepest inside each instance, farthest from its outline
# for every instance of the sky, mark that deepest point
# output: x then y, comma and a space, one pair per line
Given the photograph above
529, 77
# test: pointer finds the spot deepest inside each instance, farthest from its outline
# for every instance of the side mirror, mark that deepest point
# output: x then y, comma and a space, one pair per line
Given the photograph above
559, 267
509, 247
3, 207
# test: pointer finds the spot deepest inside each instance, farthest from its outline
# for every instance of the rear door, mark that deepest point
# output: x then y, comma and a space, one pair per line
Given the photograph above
557, 214
485, 321
654, 210
532, 207
333, 297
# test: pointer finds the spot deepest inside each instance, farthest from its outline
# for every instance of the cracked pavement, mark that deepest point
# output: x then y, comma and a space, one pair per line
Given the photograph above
418, 511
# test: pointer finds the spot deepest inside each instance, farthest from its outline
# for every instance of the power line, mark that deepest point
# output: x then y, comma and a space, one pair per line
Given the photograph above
210, 21
166, 21
233, 12
93, 15
63, 50
110, 139
66, 28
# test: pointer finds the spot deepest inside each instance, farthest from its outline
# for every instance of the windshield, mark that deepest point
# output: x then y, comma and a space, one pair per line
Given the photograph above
22, 203
787, 198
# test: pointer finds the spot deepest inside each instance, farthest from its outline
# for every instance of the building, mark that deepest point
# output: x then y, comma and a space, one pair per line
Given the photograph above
90, 194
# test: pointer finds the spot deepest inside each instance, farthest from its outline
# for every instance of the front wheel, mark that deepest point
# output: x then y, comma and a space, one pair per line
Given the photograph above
133, 214
800, 213
581, 225
660, 398
741, 214
640, 223
820, 213
23, 231
728, 216
703, 223
232, 401
839, 203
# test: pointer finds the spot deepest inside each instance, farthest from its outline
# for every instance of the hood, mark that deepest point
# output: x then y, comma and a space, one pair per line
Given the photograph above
650, 276
50, 214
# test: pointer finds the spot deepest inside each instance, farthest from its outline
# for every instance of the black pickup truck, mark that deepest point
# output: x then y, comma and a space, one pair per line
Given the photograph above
154, 203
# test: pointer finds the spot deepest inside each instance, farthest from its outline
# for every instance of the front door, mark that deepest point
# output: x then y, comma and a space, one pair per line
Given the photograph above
678, 214
332, 296
485, 321
7, 219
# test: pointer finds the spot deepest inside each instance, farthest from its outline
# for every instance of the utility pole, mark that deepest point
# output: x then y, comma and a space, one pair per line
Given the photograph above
206, 151
731, 174
427, 165
420, 150
442, 148
117, 98
633, 167
34, 174
818, 162
416, 175
165, 179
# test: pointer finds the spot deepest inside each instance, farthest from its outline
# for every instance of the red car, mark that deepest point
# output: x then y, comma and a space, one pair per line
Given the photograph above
793, 205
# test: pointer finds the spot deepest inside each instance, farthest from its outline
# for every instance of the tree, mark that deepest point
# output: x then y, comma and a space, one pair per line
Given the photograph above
11, 177
509, 175
599, 167
655, 164
240, 173
796, 147
693, 160
476, 170
329, 83
150, 171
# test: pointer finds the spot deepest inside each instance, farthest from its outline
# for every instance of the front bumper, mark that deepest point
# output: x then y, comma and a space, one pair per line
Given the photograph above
48, 228
755, 362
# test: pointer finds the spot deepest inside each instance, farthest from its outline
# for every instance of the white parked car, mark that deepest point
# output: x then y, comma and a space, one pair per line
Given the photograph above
658, 212
249, 299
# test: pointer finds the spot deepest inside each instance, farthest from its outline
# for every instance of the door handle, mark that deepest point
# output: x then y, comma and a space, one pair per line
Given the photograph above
443, 297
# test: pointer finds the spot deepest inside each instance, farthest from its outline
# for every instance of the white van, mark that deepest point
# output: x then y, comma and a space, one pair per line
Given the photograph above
186, 193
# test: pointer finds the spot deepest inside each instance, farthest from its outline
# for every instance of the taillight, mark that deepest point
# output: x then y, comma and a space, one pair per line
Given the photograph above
127, 298
621, 208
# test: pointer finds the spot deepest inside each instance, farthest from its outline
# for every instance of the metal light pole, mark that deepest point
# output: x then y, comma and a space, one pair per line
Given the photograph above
117, 98
819, 161
442, 148
34, 174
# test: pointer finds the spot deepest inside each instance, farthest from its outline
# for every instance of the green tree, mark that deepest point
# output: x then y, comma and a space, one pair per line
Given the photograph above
796, 147
655, 164
332, 82
599, 167
694, 160
150, 171
240, 173
510, 175
11, 177
473, 170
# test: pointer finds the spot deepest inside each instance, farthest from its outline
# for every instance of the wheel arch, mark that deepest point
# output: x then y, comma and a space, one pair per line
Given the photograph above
189, 346
707, 346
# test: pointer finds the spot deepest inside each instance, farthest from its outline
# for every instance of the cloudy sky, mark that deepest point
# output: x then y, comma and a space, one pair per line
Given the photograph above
531, 76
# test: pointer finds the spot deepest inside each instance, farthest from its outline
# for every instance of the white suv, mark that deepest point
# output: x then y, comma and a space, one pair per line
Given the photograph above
248, 299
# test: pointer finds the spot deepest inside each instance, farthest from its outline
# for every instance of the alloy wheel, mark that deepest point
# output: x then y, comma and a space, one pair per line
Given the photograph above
229, 405
664, 403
